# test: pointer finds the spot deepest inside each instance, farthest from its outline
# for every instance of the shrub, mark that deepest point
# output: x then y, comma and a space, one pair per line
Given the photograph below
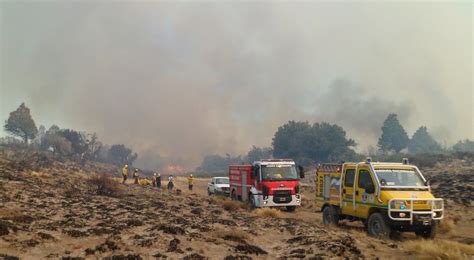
268, 213
440, 249
104, 185
231, 205
447, 225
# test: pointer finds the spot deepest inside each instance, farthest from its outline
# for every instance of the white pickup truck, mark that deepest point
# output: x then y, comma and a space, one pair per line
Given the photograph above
218, 186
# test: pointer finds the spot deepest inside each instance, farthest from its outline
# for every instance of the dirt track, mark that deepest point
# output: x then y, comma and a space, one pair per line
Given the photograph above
43, 217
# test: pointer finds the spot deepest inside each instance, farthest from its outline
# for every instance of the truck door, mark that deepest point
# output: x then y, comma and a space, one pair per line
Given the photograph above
364, 199
348, 191
244, 185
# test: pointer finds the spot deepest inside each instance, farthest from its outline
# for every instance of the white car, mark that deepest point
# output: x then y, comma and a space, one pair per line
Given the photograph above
218, 185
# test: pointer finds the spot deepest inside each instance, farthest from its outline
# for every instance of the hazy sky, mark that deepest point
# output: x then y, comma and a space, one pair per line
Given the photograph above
185, 79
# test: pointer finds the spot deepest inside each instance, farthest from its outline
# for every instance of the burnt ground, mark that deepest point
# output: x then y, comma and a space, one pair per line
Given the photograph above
49, 212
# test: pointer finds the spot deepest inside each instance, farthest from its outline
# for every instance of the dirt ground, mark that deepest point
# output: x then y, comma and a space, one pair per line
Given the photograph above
50, 212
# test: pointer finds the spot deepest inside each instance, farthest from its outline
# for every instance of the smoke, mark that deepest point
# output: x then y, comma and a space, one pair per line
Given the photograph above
181, 80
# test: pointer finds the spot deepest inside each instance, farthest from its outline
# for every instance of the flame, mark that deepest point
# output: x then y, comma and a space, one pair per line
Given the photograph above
175, 169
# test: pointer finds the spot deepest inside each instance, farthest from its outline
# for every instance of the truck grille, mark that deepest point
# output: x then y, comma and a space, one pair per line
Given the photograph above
282, 196
225, 188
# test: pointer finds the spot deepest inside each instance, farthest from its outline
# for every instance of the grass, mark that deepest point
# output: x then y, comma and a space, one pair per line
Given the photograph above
447, 225
230, 205
104, 185
268, 213
232, 235
440, 249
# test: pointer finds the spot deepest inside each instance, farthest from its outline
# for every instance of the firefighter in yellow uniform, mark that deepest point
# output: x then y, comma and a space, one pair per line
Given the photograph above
190, 182
125, 173
136, 175
153, 180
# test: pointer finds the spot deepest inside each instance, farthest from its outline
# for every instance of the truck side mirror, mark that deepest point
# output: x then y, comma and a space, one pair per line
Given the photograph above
370, 189
301, 170
427, 183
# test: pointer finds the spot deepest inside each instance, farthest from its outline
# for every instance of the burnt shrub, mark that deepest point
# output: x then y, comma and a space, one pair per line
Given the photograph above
104, 185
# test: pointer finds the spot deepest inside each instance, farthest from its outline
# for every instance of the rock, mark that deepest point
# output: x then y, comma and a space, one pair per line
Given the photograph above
3, 228
175, 230
173, 246
160, 255
237, 257
123, 257
250, 249
46, 236
197, 211
9, 257
194, 256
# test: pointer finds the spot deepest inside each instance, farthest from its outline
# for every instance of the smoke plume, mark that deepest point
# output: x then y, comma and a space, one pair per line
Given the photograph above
180, 80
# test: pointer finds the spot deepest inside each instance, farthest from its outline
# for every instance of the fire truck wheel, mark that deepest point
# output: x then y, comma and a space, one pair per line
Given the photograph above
377, 226
209, 192
428, 232
290, 208
330, 216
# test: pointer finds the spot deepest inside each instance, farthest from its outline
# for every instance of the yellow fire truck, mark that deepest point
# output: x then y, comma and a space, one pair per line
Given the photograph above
386, 197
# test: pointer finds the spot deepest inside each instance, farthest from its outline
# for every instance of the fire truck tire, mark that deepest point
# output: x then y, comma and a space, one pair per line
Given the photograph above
330, 216
290, 208
209, 192
428, 232
377, 226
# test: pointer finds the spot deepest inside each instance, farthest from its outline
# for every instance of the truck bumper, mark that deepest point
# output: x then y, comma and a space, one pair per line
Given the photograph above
407, 213
271, 201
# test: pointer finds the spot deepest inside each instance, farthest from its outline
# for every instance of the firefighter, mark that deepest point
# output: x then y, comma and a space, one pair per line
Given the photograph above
190, 182
153, 180
158, 180
136, 175
125, 173
170, 182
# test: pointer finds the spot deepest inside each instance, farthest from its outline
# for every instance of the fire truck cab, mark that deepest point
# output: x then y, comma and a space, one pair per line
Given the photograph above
267, 183
386, 197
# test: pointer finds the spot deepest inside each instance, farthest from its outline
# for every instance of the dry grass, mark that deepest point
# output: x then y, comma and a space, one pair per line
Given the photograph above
231, 205
40, 174
306, 202
440, 249
104, 185
236, 235
268, 213
447, 225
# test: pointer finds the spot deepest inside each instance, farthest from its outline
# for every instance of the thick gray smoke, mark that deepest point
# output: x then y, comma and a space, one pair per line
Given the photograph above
182, 80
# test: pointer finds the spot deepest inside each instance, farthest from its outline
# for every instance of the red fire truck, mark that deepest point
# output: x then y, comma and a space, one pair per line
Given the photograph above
267, 183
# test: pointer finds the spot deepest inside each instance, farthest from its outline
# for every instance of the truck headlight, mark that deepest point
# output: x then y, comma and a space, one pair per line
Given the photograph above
437, 204
398, 204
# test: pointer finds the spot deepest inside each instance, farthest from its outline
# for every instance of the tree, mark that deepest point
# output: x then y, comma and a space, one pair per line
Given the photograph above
21, 124
289, 140
94, 146
466, 146
305, 143
258, 153
218, 164
329, 143
393, 136
57, 143
77, 140
422, 142
120, 154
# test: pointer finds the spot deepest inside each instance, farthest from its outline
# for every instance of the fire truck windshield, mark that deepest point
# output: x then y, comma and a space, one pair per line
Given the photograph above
279, 172
389, 178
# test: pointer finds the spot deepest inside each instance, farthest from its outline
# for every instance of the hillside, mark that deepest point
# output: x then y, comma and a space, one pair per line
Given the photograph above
51, 210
